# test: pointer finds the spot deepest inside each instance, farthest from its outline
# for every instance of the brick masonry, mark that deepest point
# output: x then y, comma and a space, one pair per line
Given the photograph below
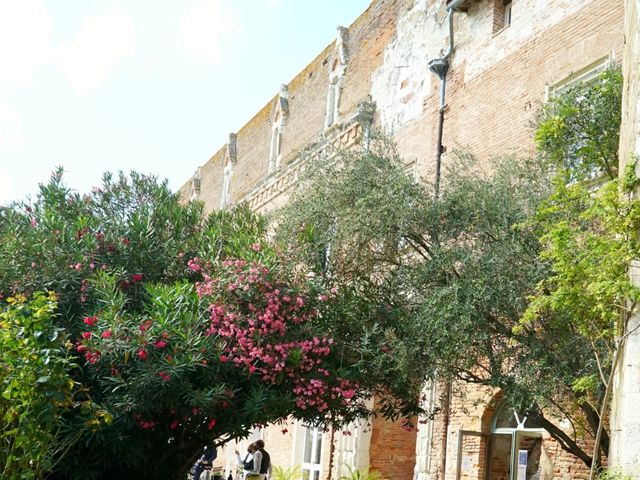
498, 77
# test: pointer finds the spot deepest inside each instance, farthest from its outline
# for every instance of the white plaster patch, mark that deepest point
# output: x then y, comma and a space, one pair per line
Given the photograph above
425, 436
401, 84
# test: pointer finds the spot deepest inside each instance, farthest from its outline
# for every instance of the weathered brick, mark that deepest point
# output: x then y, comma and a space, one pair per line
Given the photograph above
496, 80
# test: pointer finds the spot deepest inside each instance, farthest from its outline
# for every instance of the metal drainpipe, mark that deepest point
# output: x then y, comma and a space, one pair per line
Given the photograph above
440, 66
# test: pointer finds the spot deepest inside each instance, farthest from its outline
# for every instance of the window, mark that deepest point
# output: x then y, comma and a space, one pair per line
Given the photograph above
333, 99
312, 456
196, 182
336, 78
507, 13
590, 73
516, 445
275, 155
501, 14
228, 161
226, 183
278, 120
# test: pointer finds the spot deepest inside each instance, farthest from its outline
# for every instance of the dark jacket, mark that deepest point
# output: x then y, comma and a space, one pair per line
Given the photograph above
266, 461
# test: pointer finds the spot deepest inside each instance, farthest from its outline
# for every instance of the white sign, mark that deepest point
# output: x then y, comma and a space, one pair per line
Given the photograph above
522, 464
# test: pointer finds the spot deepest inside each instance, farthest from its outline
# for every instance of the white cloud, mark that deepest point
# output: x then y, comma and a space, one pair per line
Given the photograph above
25, 31
203, 28
10, 127
101, 44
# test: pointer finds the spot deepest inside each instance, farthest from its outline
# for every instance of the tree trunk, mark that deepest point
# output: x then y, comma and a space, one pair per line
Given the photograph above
567, 443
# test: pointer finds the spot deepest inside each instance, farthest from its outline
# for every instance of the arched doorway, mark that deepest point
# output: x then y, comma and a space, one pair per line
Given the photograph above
515, 446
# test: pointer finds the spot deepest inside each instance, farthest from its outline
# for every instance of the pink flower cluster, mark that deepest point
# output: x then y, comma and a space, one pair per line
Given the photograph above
263, 327
144, 423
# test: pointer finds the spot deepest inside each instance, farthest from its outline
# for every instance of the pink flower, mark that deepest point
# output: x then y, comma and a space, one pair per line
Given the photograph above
165, 376
34, 222
147, 424
136, 277
349, 393
142, 353
211, 423
92, 357
193, 265
160, 344
77, 266
86, 335
91, 321
106, 334
145, 326
256, 247
223, 359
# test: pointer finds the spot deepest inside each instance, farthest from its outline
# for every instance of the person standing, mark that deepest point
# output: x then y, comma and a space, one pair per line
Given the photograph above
261, 462
206, 460
247, 463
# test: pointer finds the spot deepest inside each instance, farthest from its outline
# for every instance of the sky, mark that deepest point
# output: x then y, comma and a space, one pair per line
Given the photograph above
148, 85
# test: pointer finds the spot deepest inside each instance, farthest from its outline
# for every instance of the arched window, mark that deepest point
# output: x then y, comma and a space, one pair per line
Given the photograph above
278, 122
196, 182
336, 78
228, 161
226, 185
515, 445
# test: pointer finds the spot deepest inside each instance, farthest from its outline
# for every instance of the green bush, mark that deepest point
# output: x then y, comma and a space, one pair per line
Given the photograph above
35, 386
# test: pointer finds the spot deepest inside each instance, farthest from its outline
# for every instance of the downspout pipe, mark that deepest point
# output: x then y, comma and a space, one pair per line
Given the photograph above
440, 66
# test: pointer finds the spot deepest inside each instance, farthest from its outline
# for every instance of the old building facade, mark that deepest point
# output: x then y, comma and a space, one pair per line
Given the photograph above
500, 59
625, 421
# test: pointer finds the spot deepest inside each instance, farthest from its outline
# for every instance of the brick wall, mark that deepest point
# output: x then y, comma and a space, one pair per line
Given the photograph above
392, 450
495, 83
